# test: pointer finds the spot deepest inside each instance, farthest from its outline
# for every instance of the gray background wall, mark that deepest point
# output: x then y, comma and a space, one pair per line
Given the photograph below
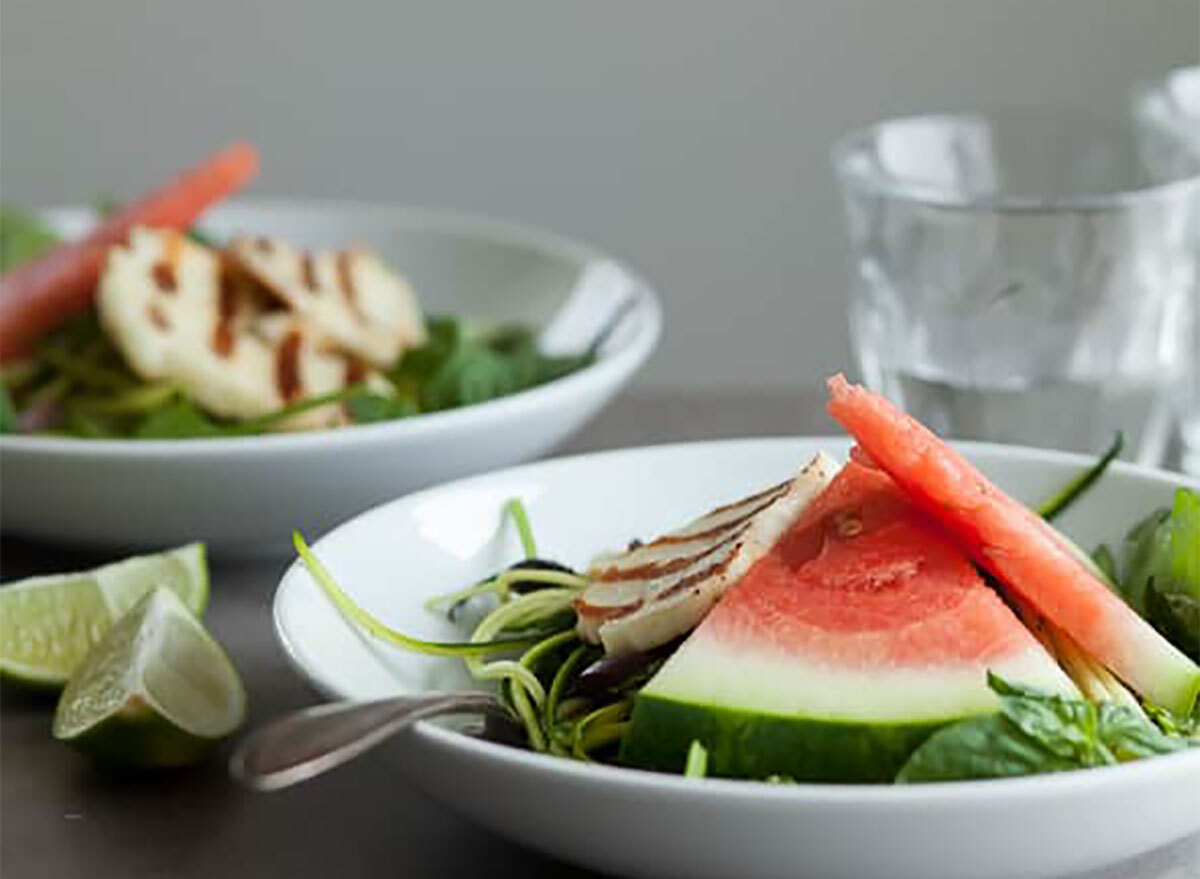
689, 137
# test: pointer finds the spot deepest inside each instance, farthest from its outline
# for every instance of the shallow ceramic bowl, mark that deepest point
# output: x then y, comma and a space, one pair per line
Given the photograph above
249, 493
639, 823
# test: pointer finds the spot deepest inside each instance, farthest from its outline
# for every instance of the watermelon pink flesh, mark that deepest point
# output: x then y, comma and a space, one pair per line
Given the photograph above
864, 595
1016, 546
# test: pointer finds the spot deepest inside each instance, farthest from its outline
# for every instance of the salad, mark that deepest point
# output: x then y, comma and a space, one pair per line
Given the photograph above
149, 329
896, 618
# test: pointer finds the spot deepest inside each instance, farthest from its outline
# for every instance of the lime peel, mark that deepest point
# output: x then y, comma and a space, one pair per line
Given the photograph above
155, 691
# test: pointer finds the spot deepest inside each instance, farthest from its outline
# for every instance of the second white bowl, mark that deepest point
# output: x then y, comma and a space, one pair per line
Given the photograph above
251, 492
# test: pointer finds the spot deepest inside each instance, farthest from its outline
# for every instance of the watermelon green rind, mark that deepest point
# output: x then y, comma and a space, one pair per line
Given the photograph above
750, 744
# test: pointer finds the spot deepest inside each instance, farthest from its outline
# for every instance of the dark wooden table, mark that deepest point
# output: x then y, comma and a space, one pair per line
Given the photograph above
61, 817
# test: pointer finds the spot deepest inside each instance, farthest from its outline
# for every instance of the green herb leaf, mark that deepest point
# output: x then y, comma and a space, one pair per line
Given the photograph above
8, 413
1034, 733
1066, 727
1127, 735
985, 747
1159, 575
22, 237
367, 407
454, 368
1106, 562
178, 421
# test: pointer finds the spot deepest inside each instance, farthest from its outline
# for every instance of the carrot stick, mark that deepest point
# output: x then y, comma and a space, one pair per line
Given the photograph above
38, 295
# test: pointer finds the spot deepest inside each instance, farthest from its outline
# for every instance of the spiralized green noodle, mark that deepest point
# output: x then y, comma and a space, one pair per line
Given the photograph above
526, 644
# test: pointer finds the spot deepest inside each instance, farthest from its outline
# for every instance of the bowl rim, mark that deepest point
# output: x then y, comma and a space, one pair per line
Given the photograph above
611, 366
1027, 788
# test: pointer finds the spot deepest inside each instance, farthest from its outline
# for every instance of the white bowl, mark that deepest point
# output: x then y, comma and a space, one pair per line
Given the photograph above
250, 492
645, 824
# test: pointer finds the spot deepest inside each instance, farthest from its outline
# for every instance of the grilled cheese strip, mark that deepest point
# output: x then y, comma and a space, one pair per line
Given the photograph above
655, 592
349, 295
177, 315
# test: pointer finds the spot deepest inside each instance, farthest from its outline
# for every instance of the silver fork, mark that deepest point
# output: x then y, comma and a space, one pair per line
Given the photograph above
304, 744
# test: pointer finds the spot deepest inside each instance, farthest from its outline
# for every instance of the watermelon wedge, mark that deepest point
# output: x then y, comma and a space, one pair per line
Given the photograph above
1017, 547
860, 633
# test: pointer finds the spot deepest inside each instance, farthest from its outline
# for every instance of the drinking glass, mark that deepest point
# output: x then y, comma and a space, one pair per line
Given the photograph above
1168, 112
1023, 276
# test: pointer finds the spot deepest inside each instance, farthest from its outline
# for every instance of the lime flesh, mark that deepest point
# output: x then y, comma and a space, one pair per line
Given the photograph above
48, 624
155, 691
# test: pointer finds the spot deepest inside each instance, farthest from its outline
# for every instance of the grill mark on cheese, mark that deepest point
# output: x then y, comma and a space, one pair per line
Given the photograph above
308, 272
157, 316
773, 490
356, 371
164, 277
683, 583
164, 271
287, 366
656, 569
715, 530
606, 611
227, 307
345, 276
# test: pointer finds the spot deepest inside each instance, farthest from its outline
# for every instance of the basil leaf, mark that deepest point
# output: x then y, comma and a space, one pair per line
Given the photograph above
984, 747
1066, 727
178, 421
1036, 732
1147, 551
1106, 562
22, 237
1176, 616
9, 423
368, 408
1128, 735
455, 368
1160, 571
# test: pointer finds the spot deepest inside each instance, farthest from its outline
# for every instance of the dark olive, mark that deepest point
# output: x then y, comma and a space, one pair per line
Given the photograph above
522, 586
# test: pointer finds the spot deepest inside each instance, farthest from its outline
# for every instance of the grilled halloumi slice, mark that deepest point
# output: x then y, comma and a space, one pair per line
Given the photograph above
176, 314
658, 591
350, 295
307, 364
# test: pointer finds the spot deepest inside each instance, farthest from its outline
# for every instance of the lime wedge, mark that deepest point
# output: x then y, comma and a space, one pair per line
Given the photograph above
47, 624
156, 690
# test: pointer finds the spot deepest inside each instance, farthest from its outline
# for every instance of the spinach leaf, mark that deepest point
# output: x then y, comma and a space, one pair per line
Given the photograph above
8, 413
1159, 574
22, 237
456, 368
180, 420
1106, 562
1033, 733
367, 407
1176, 616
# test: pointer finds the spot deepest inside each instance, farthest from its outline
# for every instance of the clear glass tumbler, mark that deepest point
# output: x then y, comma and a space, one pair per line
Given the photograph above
1023, 276
1168, 113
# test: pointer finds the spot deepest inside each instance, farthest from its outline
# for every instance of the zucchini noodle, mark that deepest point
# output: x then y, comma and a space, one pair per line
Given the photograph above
526, 644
